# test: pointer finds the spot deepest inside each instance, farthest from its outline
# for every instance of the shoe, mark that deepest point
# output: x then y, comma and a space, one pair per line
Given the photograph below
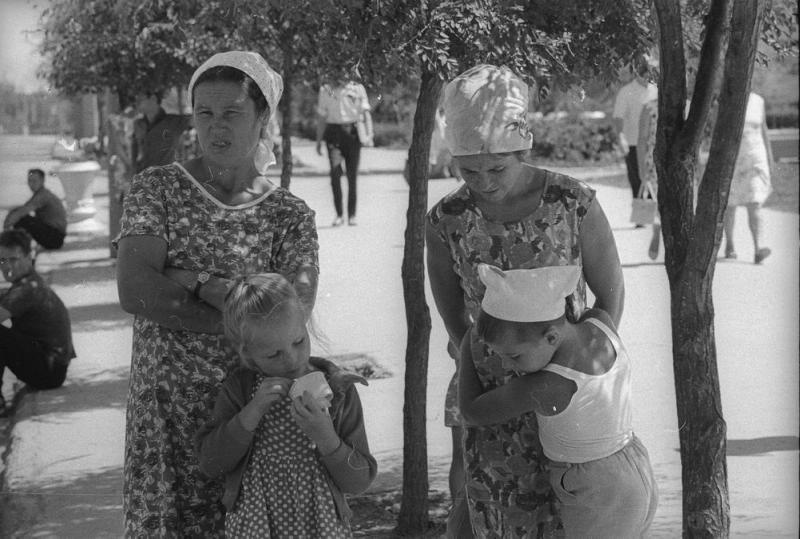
352, 221
730, 254
337, 222
761, 254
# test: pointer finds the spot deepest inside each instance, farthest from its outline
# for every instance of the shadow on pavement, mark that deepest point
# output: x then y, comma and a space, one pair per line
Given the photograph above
87, 507
99, 317
79, 272
107, 389
759, 446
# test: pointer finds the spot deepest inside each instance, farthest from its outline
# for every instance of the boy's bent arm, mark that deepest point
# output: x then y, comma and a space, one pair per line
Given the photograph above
351, 466
518, 396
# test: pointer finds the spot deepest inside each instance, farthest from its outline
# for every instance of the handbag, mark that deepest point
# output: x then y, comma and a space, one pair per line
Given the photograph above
643, 210
363, 137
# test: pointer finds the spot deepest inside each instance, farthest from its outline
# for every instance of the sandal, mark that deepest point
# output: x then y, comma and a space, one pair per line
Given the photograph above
761, 254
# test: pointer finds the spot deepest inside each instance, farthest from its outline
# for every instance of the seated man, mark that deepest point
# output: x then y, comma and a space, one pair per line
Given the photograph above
37, 347
48, 224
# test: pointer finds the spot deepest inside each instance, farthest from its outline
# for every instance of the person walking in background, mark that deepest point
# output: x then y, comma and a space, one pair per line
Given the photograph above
48, 224
576, 379
288, 451
752, 180
157, 136
187, 229
645, 160
510, 214
37, 347
340, 110
627, 110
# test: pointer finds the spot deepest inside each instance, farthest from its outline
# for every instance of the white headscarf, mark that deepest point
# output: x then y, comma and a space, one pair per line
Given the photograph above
527, 295
486, 109
268, 81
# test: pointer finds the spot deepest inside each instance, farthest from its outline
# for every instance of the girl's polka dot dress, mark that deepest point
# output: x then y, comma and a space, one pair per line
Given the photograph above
284, 490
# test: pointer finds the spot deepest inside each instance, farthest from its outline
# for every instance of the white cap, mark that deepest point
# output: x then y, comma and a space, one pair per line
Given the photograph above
486, 111
527, 295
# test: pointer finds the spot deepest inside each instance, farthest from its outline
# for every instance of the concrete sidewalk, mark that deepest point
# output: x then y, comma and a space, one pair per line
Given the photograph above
64, 448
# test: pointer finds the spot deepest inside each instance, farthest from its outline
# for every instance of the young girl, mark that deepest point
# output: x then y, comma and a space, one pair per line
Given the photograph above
286, 462
576, 378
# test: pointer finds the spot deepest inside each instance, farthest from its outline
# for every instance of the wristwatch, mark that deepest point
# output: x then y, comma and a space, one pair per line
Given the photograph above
202, 278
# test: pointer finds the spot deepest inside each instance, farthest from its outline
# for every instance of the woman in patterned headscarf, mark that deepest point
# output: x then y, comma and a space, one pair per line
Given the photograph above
509, 214
186, 230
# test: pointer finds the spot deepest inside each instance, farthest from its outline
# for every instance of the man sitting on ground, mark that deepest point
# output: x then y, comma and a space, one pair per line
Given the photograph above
37, 347
48, 224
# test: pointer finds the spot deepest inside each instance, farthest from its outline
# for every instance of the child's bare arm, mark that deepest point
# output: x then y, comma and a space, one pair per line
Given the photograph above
530, 393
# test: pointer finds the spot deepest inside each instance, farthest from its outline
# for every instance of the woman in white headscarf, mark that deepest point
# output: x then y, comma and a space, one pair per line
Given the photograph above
186, 230
512, 215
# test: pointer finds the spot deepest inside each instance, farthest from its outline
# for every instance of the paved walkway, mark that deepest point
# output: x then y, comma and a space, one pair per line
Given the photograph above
63, 449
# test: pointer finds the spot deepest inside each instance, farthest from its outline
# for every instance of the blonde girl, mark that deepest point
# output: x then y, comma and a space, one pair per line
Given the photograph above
287, 463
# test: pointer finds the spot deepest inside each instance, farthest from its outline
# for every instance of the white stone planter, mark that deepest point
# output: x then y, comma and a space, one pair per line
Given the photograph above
77, 179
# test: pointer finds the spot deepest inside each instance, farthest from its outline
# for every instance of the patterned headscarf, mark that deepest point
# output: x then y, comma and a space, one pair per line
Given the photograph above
268, 81
486, 109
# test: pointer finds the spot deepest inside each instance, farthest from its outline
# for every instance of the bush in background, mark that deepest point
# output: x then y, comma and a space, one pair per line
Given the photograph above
574, 139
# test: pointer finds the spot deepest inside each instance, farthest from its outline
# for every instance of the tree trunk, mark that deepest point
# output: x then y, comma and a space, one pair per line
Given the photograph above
413, 519
285, 107
692, 240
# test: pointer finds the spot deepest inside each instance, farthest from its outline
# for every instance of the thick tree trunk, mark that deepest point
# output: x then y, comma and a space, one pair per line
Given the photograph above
413, 519
692, 240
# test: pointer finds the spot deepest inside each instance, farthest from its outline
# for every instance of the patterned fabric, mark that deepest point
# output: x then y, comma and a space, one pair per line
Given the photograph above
175, 375
507, 485
284, 490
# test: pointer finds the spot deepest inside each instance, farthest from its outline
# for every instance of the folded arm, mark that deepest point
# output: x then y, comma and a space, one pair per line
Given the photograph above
144, 289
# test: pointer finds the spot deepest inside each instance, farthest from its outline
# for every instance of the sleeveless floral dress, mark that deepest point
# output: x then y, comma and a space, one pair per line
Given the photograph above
284, 490
175, 375
507, 485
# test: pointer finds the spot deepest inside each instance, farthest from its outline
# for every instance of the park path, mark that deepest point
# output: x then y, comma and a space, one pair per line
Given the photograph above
62, 449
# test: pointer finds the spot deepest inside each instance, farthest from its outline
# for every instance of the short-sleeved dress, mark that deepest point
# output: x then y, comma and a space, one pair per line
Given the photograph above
751, 182
507, 486
175, 375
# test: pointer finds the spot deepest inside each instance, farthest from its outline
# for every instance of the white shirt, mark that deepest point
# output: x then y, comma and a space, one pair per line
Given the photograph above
628, 106
598, 420
342, 104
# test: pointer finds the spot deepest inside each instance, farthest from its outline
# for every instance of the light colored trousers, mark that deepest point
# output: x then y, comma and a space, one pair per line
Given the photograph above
615, 496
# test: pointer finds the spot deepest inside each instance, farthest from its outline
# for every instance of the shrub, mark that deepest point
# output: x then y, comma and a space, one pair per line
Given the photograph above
575, 139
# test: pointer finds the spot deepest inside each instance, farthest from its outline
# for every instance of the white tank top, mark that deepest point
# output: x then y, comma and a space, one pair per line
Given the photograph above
598, 420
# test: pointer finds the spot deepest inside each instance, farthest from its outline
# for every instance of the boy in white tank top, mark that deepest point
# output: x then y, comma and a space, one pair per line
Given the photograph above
576, 378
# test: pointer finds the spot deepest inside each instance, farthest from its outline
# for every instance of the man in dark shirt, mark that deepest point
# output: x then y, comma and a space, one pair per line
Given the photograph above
37, 347
48, 224
157, 136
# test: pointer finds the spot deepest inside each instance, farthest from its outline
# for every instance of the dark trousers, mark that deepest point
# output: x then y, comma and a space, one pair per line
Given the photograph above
29, 361
343, 145
633, 171
45, 235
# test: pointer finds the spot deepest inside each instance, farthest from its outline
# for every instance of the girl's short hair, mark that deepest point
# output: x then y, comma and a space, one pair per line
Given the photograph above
231, 74
253, 297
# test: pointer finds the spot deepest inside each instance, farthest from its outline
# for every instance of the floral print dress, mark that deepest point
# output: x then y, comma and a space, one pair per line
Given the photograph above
175, 375
506, 482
